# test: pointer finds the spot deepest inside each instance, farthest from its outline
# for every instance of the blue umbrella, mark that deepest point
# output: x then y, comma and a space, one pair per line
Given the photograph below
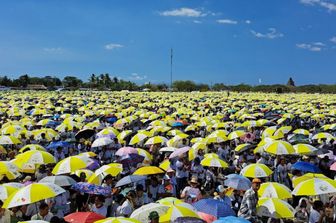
91, 189
55, 145
231, 219
214, 207
306, 167
237, 182
130, 179
177, 124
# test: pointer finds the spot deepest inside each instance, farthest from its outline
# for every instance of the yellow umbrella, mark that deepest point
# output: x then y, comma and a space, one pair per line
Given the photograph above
118, 220
279, 148
307, 176
32, 147
148, 170
236, 134
9, 169
315, 186
112, 169
274, 190
256, 170
214, 162
71, 164
275, 208
178, 209
9, 140
304, 149
34, 157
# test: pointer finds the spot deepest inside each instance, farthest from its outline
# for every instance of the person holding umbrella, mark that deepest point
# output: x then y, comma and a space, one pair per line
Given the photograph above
248, 208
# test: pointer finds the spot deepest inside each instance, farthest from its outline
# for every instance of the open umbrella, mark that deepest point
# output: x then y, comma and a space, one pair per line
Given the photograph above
256, 170
148, 170
118, 220
237, 182
315, 186
130, 179
274, 190
179, 152
59, 180
104, 141
32, 193
213, 207
83, 217
85, 134
71, 164
275, 208
9, 169
232, 219
305, 167
188, 220
91, 189
143, 212
55, 145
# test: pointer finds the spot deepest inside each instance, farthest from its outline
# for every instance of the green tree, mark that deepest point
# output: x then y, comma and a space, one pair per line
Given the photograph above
72, 82
184, 85
23, 80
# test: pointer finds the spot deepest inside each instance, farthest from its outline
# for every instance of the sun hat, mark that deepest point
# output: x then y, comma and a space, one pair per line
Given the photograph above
193, 180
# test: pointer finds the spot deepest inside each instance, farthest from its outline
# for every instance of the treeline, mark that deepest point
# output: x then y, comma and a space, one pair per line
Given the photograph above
106, 82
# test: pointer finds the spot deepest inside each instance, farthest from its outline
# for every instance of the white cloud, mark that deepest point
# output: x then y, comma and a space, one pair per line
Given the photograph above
272, 34
325, 4
315, 47
227, 21
184, 12
248, 21
333, 39
197, 21
55, 50
112, 46
137, 77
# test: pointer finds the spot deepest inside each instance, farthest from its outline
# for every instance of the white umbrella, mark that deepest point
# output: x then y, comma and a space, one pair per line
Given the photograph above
142, 213
58, 180
104, 141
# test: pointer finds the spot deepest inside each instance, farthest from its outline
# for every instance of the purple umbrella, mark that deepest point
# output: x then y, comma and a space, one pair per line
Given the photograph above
125, 151
91, 189
179, 152
131, 159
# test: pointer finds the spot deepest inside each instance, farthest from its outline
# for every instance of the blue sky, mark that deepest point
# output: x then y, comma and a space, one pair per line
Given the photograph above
229, 41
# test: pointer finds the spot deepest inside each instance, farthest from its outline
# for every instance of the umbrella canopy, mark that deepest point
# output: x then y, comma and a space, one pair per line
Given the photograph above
32, 193
236, 134
237, 182
141, 214
125, 151
83, 217
256, 170
9, 140
156, 140
55, 145
9, 169
112, 169
279, 148
31, 147
148, 170
179, 152
60, 180
307, 176
274, 190
85, 134
304, 149
91, 189
34, 157
104, 141
315, 186
33, 221
119, 220
7, 189
274, 208
130, 179
305, 167
214, 162
139, 137
179, 209
301, 131
71, 164
232, 219
322, 135
213, 207
188, 220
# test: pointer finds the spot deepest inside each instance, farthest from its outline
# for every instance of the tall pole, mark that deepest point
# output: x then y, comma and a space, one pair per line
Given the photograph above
171, 69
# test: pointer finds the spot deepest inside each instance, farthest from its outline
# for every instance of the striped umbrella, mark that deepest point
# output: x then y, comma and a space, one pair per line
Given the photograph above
9, 169
71, 164
112, 169
274, 190
142, 213
9, 140
315, 186
274, 208
280, 148
32, 193
118, 220
214, 162
178, 209
256, 170
304, 149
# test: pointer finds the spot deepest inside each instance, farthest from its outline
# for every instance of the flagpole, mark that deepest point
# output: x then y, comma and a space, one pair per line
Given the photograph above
171, 69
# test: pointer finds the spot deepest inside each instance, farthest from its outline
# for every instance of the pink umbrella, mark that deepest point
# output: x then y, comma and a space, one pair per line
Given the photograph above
333, 167
207, 217
125, 151
179, 152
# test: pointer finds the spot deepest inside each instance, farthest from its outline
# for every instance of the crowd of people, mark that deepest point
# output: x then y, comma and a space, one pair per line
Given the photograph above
192, 117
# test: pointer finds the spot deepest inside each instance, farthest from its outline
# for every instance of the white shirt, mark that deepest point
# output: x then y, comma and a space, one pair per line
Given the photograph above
102, 210
180, 173
125, 209
45, 218
314, 216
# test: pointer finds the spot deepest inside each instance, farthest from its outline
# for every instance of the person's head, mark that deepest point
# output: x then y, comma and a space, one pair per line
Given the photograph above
154, 217
197, 161
131, 195
43, 209
221, 190
154, 181
256, 184
303, 204
318, 205
99, 201
82, 177
55, 219
108, 179
193, 182
139, 190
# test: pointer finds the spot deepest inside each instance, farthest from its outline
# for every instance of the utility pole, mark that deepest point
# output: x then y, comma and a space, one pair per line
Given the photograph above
171, 69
